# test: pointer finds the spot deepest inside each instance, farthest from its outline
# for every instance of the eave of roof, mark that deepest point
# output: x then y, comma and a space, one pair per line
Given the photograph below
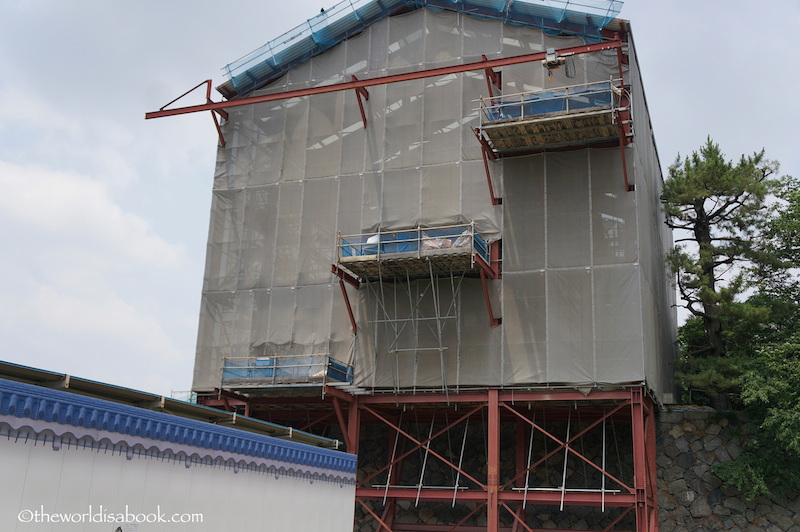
40, 385
351, 17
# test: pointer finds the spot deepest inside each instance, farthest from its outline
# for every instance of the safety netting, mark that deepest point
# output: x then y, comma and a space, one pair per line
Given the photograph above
347, 18
584, 297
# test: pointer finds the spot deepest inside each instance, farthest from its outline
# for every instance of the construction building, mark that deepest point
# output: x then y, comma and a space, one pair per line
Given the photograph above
436, 234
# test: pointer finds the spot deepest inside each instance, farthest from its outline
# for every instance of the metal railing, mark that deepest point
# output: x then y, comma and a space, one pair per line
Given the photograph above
412, 242
349, 17
586, 96
284, 369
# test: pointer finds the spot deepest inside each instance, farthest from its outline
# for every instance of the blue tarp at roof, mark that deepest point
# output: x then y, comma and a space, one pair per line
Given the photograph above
584, 18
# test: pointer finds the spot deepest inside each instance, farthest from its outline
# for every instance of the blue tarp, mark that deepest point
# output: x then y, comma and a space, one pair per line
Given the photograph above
584, 18
571, 99
412, 240
305, 368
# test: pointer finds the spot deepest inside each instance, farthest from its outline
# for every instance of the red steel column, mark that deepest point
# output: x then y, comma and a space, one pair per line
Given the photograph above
640, 464
521, 463
493, 477
353, 425
652, 485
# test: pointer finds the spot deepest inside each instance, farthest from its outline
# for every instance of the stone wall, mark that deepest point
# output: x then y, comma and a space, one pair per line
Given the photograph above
691, 497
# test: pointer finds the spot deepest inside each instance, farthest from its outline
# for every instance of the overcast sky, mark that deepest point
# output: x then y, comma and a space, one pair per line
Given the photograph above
104, 216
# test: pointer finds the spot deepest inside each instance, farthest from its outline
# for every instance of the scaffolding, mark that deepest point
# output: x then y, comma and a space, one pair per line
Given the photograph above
414, 254
253, 373
576, 115
386, 165
405, 313
507, 499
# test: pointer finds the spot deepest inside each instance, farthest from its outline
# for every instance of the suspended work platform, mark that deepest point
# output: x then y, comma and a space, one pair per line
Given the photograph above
422, 253
574, 116
250, 373
415, 254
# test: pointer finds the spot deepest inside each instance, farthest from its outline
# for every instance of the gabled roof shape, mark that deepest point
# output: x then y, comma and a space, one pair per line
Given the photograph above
260, 67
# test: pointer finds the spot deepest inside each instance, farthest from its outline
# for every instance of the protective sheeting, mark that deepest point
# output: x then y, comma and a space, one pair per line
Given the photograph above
345, 19
659, 320
583, 296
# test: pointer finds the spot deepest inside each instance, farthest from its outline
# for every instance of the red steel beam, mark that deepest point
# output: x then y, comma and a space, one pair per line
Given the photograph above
617, 520
486, 153
639, 461
550, 498
353, 425
382, 80
422, 444
567, 395
493, 462
492, 78
306, 427
384, 526
361, 91
349, 308
520, 468
509, 396
553, 498
345, 276
334, 392
652, 477
493, 321
519, 521
489, 152
472, 528
342, 424
622, 142
562, 444
458, 526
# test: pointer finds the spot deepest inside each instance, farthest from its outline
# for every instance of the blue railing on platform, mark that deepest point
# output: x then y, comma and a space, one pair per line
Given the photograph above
457, 238
600, 95
285, 369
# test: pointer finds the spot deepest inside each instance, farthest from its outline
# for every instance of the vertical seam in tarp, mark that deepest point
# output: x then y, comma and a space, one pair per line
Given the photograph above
547, 320
592, 263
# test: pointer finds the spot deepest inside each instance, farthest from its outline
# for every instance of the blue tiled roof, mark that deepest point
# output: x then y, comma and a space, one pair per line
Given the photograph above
37, 403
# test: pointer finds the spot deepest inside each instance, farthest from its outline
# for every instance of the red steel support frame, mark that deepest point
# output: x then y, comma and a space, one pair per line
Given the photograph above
490, 271
488, 153
496, 495
219, 111
493, 321
349, 307
345, 277
361, 91
492, 78
382, 80
493, 463
622, 119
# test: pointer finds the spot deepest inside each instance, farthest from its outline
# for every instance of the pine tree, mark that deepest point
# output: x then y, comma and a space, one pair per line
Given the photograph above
719, 209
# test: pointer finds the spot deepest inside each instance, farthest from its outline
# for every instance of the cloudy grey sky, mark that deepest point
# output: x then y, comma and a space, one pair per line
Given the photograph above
104, 216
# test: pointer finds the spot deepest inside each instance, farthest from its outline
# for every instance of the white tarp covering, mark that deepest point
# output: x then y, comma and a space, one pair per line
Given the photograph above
583, 296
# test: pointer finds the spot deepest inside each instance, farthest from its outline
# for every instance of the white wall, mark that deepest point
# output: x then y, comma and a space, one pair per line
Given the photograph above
36, 477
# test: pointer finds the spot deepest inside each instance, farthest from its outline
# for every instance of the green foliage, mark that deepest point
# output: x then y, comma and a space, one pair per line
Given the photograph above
781, 242
719, 208
736, 263
772, 390
703, 377
770, 460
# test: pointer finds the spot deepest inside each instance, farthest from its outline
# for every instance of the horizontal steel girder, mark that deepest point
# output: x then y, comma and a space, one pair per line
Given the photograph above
383, 80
